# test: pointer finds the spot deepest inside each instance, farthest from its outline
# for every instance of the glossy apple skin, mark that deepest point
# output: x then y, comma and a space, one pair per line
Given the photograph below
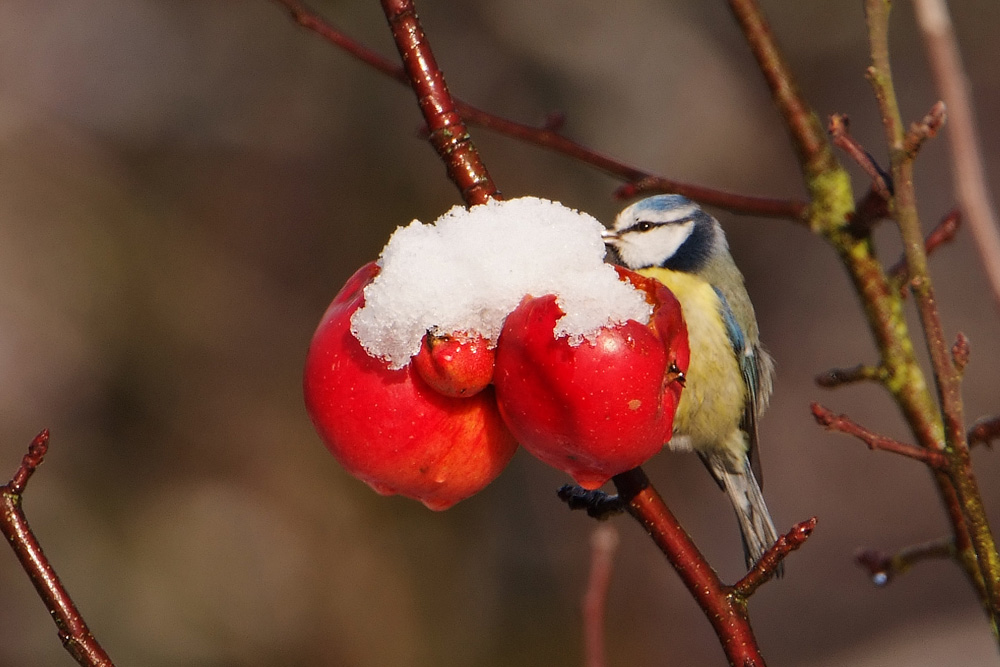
458, 365
598, 408
388, 427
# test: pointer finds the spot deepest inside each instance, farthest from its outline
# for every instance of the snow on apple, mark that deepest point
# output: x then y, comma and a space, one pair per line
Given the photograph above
471, 268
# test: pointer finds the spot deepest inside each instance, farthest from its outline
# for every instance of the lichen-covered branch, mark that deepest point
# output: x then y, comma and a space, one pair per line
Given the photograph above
960, 477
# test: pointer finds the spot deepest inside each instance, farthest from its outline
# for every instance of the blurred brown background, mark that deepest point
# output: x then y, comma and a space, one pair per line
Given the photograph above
185, 184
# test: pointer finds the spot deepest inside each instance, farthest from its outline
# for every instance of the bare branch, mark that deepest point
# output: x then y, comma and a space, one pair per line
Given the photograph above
603, 544
984, 431
448, 134
769, 564
73, 631
944, 232
841, 135
959, 484
837, 377
726, 612
548, 135
884, 567
803, 126
844, 424
790, 209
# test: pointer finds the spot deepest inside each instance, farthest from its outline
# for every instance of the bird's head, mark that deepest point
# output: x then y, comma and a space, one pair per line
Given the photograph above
668, 231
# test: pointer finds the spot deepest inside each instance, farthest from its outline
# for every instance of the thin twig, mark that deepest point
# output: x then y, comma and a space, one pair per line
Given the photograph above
944, 232
603, 544
874, 206
883, 567
547, 136
966, 154
844, 424
984, 431
73, 631
803, 125
869, 210
839, 128
837, 377
789, 209
770, 562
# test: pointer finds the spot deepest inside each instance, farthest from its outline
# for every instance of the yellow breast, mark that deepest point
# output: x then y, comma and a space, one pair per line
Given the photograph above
711, 405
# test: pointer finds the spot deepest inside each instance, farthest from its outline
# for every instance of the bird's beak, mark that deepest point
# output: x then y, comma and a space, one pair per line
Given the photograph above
610, 236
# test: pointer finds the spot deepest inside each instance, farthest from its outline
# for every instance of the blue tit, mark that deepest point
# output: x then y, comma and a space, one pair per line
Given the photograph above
728, 382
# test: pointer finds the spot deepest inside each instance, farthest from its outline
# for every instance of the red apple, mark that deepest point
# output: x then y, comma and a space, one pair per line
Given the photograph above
598, 408
388, 427
458, 364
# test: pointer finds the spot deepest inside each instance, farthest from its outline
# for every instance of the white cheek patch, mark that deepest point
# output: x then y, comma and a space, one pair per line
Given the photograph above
639, 250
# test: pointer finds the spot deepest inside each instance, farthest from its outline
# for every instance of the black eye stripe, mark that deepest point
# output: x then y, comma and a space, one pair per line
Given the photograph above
646, 225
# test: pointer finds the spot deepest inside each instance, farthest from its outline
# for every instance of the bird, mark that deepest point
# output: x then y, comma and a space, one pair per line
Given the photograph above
728, 382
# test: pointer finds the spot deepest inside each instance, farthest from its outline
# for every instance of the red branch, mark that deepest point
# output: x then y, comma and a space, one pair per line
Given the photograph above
603, 544
839, 128
725, 609
548, 136
844, 424
73, 631
448, 134
984, 431
770, 562
803, 126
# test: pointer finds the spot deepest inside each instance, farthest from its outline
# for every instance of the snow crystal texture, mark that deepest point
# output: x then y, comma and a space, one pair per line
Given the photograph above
472, 267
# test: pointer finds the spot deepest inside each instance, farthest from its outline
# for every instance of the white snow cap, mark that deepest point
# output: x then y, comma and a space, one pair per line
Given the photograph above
472, 267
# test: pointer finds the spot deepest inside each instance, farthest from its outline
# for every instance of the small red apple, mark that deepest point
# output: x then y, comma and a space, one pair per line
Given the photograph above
388, 427
458, 364
601, 407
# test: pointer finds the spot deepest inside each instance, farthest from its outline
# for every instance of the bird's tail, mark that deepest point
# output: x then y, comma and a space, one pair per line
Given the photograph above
756, 526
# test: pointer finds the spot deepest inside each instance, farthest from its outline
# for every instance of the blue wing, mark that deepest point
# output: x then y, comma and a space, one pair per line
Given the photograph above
748, 358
